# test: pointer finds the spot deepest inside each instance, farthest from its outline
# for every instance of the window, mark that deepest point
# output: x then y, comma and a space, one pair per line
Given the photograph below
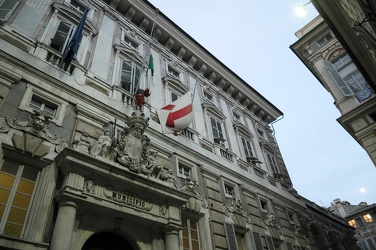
7, 7
42, 105
173, 72
321, 42
356, 82
184, 170
77, 6
16, 188
49, 104
261, 134
130, 76
236, 117
208, 97
272, 163
240, 241
247, 147
264, 206
341, 62
349, 84
174, 96
367, 218
352, 223
229, 191
62, 36
125, 39
217, 132
190, 234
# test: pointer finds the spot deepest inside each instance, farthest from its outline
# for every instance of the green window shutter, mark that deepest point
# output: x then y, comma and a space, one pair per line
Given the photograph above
230, 236
339, 81
7, 7
257, 240
269, 240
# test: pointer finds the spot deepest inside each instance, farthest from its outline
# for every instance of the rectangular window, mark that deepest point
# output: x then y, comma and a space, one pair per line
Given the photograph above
272, 163
184, 170
77, 6
356, 82
7, 7
247, 147
16, 188
352, 223
130, 76
172, 72
216, 127
174, 96
367, 218
130, 42
229, 191
240, 241
208, 97
42, 105
190, 234
62, 36
341, 62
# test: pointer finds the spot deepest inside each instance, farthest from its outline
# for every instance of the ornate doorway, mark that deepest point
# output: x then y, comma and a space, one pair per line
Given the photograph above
106, 241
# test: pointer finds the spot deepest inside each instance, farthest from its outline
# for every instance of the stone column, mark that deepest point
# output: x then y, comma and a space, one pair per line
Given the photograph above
171, 237
62, 234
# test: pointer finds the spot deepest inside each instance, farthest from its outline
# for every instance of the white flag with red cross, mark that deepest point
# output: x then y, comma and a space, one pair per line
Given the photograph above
177, 116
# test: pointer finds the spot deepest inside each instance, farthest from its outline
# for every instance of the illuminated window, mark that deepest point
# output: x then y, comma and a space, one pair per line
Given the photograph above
16, 188
367, 218
190, 234
352, 223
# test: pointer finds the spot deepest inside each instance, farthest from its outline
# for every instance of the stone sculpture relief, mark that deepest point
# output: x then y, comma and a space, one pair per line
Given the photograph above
36, 125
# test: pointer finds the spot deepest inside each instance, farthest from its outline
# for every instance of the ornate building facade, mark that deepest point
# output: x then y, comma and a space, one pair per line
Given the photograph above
83, 167
362, 217
351, 62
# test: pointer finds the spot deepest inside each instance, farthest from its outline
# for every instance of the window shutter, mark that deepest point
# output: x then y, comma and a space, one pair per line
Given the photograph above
257, 240
289, 246
7, 7
230, 236
269, 240
339, 81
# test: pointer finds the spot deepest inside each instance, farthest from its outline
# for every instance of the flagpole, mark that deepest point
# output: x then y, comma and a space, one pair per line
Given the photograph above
147, 52
194, 89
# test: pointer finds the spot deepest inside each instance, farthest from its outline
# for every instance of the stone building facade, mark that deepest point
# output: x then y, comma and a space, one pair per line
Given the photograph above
83, 168
362, 217
346, 64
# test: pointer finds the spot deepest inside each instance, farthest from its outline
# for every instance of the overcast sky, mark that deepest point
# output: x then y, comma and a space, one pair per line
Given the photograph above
252, 38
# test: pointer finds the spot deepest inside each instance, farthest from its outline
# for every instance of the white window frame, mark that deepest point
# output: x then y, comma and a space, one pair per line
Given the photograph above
134, 68
40, 94
173, 72
272, 162
184, 170
90, 14
70, 33
250, 151
10, 200
129, 41
10, 10
219, 126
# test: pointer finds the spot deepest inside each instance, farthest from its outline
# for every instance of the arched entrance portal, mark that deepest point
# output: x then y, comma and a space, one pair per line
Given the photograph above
106, 241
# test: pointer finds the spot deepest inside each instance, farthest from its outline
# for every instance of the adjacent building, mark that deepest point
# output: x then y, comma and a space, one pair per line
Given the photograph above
85, 160
361, 217
339, 49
